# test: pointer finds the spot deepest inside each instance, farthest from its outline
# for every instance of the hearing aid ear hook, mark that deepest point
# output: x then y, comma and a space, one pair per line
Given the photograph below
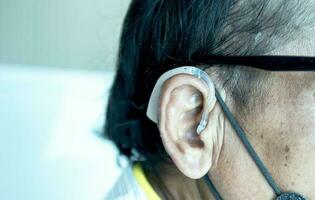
153, 106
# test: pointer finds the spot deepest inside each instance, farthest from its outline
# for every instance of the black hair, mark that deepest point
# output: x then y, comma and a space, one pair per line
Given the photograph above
158, 35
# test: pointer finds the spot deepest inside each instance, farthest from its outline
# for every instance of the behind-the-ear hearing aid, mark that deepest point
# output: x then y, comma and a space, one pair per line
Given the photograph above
153, 106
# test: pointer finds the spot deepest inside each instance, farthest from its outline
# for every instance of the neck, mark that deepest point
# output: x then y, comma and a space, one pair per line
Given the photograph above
169, 183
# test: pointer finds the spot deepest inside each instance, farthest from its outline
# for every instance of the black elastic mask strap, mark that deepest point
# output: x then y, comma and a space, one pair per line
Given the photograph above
247, 144
255, 157
248, 147
212, 188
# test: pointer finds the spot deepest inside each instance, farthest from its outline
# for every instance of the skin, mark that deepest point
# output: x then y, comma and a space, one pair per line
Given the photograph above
281, 128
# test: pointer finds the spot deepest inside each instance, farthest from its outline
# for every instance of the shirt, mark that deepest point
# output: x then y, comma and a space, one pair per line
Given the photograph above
132, 185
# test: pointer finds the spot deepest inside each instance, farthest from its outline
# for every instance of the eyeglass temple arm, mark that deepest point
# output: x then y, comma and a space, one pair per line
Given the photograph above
271, 63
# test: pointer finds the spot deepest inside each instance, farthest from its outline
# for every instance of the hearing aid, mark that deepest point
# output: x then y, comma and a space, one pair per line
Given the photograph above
153, 106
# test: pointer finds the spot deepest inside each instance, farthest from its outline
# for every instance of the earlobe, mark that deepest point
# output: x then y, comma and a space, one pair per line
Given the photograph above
183, 100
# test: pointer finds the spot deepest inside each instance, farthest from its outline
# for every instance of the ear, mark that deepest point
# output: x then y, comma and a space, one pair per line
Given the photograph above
183, 99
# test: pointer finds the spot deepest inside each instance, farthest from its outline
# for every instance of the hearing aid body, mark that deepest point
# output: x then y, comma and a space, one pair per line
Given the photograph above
153, 106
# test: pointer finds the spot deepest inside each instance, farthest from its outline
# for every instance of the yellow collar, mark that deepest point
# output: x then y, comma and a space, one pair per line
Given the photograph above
144, 183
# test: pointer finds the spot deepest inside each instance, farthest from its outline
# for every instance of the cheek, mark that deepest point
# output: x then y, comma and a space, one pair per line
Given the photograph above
282, 132
293, 111
289, 144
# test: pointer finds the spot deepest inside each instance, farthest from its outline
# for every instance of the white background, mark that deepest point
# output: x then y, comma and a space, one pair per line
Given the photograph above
49, 143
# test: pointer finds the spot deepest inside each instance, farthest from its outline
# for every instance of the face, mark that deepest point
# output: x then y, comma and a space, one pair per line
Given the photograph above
282, 131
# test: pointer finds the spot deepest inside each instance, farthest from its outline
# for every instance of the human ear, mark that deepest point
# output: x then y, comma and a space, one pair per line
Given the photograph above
183, 100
